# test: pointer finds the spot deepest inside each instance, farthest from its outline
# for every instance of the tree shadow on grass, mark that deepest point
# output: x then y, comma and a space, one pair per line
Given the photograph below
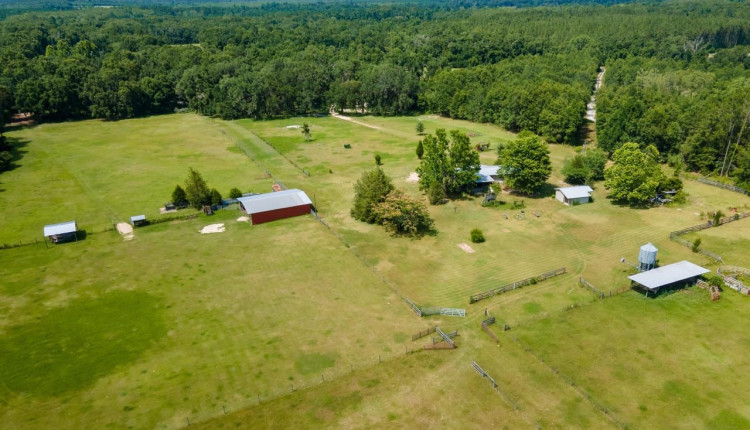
17, 152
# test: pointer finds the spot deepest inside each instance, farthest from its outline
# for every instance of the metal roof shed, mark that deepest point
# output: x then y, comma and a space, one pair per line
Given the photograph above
274, 206
61, 232
684, 271
578, 194
138, 220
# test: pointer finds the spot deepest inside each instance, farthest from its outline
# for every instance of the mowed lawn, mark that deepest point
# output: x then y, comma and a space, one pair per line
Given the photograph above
175, 325
678, 361
589, 240
98, 172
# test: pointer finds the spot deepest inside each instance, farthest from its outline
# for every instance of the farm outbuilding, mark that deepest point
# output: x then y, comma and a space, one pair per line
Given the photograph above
488, 174
274, 206
138, 220
574, 195
683, 272
61, 232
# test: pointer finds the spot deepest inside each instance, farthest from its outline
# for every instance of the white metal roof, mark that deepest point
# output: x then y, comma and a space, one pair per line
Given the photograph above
60, 228
649, 247
137, 218
668, 274
486, 173
272, 201
576, 192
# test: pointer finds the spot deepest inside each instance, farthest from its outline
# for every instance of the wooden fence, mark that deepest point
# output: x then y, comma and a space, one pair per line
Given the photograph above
486, 327
423, 333
518, 284
722, 185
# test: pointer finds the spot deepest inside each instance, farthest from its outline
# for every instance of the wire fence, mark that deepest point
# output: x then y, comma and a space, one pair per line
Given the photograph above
284, 387
568, 380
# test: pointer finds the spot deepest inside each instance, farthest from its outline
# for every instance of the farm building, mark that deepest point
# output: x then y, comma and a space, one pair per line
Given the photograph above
488, 174
683, 272
138, 220
274, 206
574, 195
61, 232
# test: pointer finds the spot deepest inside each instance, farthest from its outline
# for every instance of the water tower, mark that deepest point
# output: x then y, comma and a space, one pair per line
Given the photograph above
647, 257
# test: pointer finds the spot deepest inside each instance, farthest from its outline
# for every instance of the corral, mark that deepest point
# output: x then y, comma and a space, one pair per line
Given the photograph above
327, 344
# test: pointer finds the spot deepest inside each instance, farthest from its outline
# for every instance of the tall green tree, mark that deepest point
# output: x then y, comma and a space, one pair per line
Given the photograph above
370, 189
420, 128
526, 162
451, 163
420, 150
306, 131
635, 176
585, 168
463, 164
178, 195
196, 190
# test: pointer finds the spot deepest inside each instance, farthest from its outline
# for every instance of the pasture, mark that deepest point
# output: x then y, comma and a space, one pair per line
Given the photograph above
260, 321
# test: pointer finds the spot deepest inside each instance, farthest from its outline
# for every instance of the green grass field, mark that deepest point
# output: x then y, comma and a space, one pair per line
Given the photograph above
175, 326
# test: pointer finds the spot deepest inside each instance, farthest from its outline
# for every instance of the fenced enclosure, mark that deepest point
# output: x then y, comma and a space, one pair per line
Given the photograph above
729, 274
518, 284
675, 235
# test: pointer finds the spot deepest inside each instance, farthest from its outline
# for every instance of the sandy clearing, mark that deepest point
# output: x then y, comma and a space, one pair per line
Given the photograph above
413, 177
125, 230
293, 127
466, 248
243, 219
505, 230
165, 211
350, 119
213, 228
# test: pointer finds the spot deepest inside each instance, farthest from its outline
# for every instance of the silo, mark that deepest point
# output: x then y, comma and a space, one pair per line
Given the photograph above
647, 257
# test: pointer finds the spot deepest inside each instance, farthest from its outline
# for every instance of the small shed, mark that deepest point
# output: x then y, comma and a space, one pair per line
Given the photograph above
138, 220
274, 206
61, 232
574, 195
671, 274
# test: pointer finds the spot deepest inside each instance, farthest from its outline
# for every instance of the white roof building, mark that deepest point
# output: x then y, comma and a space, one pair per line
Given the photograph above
60, 228
574, 195
669, 274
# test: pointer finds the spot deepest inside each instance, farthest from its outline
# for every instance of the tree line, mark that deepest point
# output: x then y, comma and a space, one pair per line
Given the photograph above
676, 71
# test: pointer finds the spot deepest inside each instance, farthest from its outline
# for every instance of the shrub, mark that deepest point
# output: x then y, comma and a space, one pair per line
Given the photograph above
717, 218
378, 160
178, 195
235, 193
477, 236
402, 215
696, 244
215, 197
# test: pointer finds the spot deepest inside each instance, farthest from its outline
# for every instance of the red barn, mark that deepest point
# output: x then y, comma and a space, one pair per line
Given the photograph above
273, 206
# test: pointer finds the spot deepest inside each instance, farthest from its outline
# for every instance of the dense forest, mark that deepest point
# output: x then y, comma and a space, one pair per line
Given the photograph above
677, 72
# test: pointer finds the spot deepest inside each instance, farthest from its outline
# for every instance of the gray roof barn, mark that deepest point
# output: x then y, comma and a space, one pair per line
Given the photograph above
669, 274
60, 228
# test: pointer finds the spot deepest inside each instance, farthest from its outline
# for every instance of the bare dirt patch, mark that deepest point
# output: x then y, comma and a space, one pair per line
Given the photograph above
213, 228
466, 248
412, 178
243, 219
125, 230
165, 211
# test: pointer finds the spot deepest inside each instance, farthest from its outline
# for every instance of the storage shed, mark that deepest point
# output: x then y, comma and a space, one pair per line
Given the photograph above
671, 274
574, 195
274, 206
138, 220
61, 232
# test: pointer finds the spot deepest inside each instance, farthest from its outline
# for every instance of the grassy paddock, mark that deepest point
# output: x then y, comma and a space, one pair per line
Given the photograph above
99, 172
175, 325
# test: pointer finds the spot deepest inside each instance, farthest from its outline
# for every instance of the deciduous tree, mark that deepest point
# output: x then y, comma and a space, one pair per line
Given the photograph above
370, 190
403, 215
635, 176
526, 162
